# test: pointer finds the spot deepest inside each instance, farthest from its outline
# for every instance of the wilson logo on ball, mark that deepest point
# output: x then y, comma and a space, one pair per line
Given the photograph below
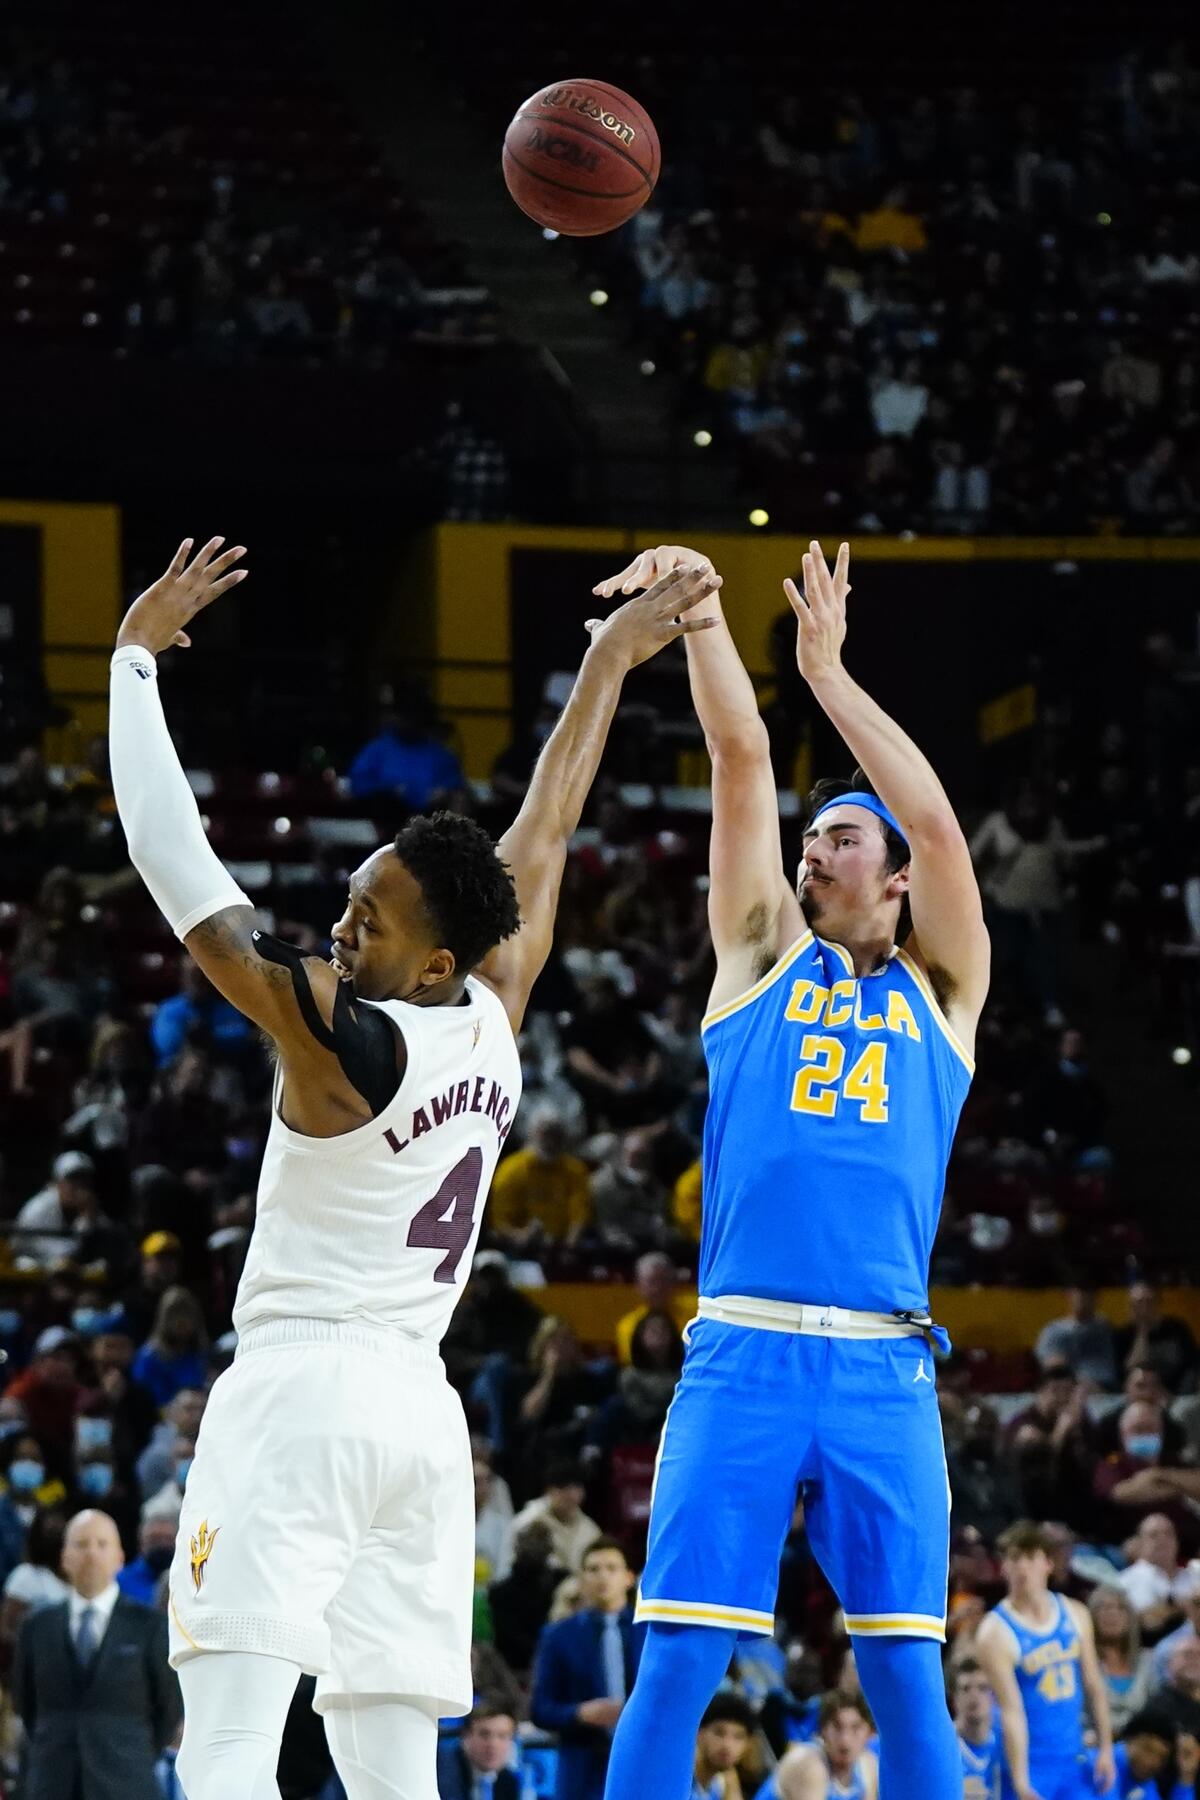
580, 103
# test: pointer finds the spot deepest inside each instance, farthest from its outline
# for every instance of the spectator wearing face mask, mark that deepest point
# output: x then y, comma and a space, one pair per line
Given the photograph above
1136, 1481
180, 1418
1155, 1582
26, 1479
170, 1494
139, 1579
629, 1202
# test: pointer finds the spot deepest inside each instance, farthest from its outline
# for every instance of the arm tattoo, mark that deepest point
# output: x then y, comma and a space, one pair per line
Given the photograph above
229, 935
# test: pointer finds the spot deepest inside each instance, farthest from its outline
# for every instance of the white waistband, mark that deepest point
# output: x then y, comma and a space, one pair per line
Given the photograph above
805, 1318
343, 1334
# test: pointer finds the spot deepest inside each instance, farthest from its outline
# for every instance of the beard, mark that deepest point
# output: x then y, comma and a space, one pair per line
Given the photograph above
812, 902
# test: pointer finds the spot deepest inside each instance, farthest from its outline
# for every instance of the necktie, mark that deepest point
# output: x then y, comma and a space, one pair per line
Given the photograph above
485, 1787
86, 1637
613, 1653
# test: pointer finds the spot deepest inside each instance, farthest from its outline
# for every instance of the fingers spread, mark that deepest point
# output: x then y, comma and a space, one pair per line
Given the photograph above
223, 562
180, 558
202, 558
796, 599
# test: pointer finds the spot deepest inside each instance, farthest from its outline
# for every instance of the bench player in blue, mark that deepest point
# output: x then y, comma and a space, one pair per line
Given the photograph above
1039, 1653
974, 1707
838, 1065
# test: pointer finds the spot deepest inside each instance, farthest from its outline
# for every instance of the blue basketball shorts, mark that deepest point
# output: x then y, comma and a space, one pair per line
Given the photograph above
853, 1424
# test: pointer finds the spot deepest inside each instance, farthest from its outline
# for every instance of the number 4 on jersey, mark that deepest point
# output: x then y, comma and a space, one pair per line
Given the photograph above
448, 1220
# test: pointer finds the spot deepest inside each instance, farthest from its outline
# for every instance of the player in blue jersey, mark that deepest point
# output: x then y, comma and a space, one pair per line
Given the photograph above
1143, 1756
974, 1707
837, 1765
838, 1064
1039, 1653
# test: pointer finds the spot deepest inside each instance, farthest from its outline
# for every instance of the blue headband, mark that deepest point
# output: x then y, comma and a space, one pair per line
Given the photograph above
872, 802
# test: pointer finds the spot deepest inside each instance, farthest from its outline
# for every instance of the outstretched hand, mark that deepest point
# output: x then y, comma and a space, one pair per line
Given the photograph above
820, 611
640, 628
157, 618
650, 566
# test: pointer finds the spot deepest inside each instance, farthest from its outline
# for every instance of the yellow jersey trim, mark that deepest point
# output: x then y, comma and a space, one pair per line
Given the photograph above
896, 1625
700, 1612
760, 987
183, 1630
948, 1032
841, 951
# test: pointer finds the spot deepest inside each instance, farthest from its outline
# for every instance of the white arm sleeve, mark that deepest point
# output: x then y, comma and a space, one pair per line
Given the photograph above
158, 810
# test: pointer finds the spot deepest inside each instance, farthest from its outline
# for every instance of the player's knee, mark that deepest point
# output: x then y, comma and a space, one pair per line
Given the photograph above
222, 1760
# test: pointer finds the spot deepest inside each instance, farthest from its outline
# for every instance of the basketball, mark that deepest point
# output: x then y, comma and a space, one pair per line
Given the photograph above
581, 157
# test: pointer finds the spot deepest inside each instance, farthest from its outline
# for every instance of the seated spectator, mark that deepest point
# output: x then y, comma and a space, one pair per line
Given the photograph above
612, 1058
1050, 1441
565, 1390
1082, 1339
184, 1127
540, 1194
25, 1478
406, 760
1069, 1108
1127, 1669
629, 1202
1061, 1546
493, 1520
64, 1222
161, 1268
789, 1714
157, 1532
637, 1412
520, 1602
1166, 1343
985, 1491
585, 1671
479, 1765
725, 1734
657, 1291
196, 1007
1145, 1753
48, 1392
560, 1507
1156, 1582
493, 1319
1136, 1481
175, 1355
35, 1581
1188, 1632
1179, 1697
836, 1759
1142, 1383
116, 1401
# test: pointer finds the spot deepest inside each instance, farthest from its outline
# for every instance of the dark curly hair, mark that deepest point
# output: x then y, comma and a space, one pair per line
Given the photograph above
896, 848
468, 892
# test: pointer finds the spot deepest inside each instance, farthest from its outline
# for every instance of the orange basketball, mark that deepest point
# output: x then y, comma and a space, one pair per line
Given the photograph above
581, 157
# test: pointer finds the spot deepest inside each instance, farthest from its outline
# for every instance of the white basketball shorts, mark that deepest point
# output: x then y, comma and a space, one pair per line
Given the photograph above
329, 1516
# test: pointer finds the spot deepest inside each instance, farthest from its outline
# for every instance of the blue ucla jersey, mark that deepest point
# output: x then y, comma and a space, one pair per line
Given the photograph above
1048, 1676
857, 1788
833, 1103
981, 1765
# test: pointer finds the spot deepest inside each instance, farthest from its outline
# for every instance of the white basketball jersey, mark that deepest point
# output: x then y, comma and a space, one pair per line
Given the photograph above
380, 1223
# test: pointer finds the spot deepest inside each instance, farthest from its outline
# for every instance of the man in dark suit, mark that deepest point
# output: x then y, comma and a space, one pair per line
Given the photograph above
476, 1768
91, 1680
584, 1671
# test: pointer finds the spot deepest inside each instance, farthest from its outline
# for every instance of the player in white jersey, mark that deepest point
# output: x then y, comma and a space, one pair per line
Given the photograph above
328, 1518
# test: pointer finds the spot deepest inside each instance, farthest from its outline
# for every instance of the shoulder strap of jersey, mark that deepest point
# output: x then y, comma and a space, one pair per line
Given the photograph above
368, 1047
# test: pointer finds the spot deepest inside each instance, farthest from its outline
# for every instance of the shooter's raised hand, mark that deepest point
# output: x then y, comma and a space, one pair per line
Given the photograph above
157, 618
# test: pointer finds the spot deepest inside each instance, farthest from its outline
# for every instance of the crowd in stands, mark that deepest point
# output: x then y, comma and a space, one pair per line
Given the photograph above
235, 215
133, 1106
955, 311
